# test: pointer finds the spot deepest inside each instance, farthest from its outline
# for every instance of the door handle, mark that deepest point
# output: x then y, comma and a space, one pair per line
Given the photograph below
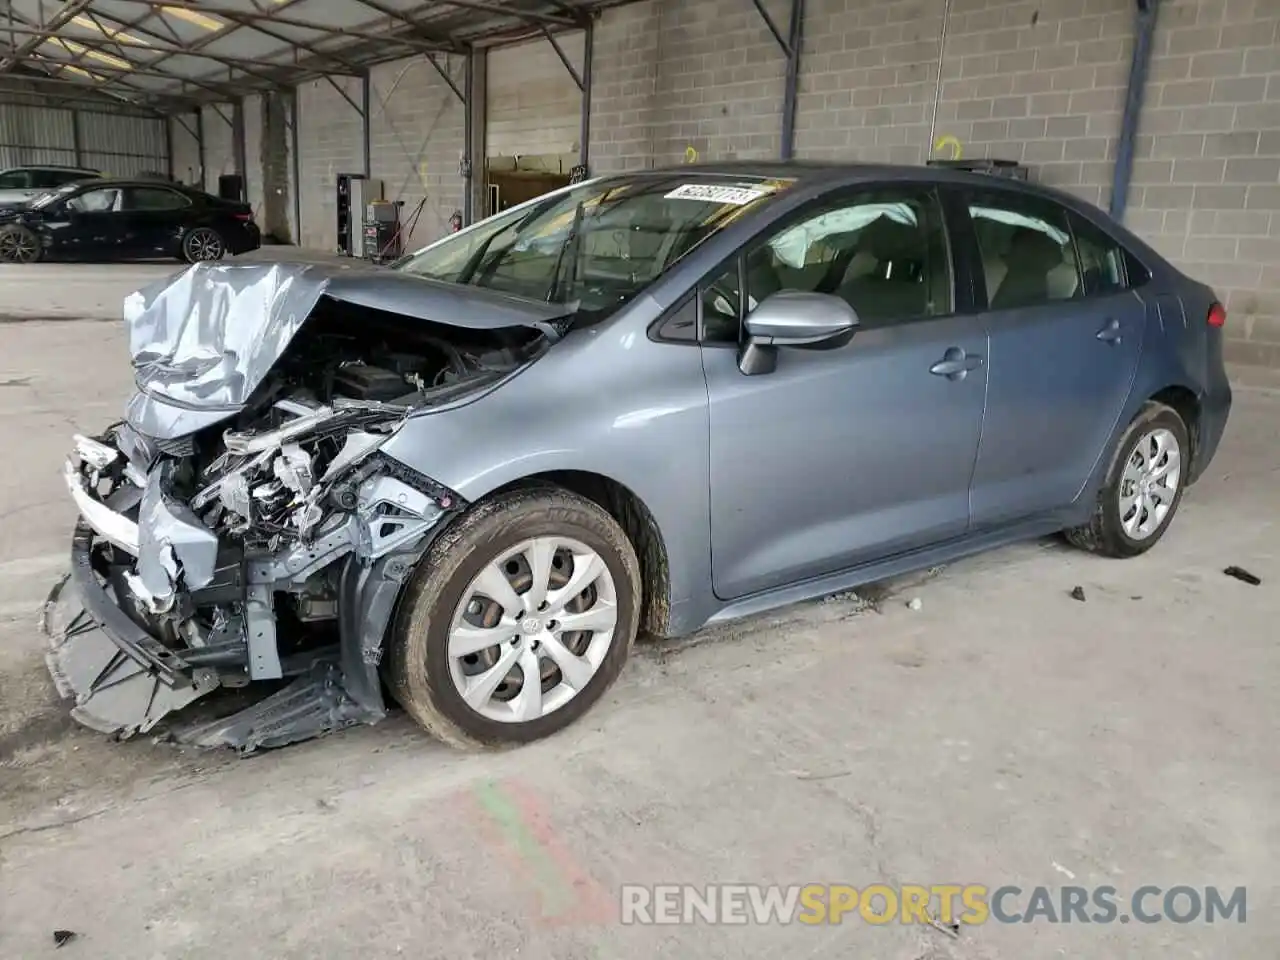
1110, 333
956, 364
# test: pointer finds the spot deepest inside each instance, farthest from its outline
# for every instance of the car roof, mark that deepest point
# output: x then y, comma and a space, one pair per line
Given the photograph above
61, 168
139, 182
832, 174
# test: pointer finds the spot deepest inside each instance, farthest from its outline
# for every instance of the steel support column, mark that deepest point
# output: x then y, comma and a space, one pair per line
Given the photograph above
588, 54
76, 143
582, 80
200, 146
1135, 93
296, 171
468, 136
170, 168
790, 45
366, 85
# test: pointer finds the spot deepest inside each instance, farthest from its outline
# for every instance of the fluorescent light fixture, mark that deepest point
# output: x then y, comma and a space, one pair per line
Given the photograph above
118, 35
202, 20
72, 47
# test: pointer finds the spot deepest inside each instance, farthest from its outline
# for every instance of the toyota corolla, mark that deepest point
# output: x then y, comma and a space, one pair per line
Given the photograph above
638, 405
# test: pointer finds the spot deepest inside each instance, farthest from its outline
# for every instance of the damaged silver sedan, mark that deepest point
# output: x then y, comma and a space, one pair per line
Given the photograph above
641, 403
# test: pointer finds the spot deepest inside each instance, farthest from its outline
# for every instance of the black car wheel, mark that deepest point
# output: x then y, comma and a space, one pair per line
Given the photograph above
19, 245
203, 244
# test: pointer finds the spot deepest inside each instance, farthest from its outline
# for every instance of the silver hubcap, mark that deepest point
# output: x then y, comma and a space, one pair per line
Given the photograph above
204, 245
1150, 483
532, 629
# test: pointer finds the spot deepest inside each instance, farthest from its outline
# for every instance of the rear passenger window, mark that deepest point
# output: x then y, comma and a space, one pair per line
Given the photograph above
1104, 264
1028, 257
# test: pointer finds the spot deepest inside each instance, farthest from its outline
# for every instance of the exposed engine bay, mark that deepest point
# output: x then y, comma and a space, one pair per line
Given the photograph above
271, 544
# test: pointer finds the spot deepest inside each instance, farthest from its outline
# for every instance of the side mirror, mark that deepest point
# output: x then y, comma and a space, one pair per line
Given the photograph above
814, 321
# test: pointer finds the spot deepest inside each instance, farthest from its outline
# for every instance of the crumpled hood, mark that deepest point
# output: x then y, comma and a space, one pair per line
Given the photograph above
207, 337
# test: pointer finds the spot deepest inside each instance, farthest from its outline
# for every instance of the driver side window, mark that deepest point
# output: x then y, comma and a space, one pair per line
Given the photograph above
883, 252
95, 201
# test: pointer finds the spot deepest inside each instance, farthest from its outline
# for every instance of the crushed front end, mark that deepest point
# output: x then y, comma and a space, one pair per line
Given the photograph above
262, 536
278, 559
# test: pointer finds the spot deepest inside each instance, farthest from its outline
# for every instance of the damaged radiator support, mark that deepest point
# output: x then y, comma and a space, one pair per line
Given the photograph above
185, 598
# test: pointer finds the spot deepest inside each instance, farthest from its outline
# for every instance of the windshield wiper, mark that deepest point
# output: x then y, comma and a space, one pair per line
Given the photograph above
572, 243
476, 260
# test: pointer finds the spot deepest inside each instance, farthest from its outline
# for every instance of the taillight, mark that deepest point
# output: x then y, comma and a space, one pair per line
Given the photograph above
1217, 315
246, 217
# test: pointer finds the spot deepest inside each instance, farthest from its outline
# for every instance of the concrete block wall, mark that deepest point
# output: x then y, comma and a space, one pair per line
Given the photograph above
692, 79
186, 149
330, 142
868, 80
219, 144
1039, 82
534, 104
624, 88
1206, 188
416, 141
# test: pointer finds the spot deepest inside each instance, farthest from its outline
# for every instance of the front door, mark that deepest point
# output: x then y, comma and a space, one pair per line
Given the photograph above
842, 456
89, 223
1066, 333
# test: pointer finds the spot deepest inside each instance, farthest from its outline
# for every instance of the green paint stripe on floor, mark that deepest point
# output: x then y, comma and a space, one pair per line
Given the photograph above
555, 889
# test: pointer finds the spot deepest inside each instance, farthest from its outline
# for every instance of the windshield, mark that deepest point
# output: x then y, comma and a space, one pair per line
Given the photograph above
48, 196
595, 246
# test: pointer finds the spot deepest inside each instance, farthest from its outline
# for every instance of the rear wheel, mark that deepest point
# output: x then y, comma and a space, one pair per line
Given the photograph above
203, 244
1143, 488
19, 244
517, 620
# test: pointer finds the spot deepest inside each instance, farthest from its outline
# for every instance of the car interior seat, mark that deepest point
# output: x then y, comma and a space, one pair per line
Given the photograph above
1034, 263
896, 288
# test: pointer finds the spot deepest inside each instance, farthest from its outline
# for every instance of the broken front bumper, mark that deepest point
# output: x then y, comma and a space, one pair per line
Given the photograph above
126, 643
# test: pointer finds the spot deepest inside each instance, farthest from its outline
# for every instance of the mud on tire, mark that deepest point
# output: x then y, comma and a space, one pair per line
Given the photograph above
417, 668
1104, 534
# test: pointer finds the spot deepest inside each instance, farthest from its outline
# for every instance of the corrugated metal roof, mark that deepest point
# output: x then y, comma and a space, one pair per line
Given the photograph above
169, 54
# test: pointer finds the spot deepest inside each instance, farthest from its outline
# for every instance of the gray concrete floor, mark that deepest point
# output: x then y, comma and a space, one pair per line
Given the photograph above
1002, 734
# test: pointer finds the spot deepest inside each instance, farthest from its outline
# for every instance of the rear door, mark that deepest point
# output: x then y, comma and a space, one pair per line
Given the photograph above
843, 456
154, 217
1066, 333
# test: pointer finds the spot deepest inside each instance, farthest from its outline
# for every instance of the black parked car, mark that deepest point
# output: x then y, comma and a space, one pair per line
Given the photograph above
124, 219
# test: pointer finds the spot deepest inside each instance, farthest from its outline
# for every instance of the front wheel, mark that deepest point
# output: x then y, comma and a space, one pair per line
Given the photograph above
1143, 487
18, 244
203, 244
517, 620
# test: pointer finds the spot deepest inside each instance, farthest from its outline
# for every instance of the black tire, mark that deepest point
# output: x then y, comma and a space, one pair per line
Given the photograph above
198, 245
19, 244
417, 668
1104, 533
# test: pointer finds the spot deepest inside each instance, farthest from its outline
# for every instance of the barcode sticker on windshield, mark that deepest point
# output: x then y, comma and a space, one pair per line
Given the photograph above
716, 193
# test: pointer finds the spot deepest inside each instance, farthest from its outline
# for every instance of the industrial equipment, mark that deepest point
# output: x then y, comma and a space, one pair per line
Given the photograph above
354, 193
382, 238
